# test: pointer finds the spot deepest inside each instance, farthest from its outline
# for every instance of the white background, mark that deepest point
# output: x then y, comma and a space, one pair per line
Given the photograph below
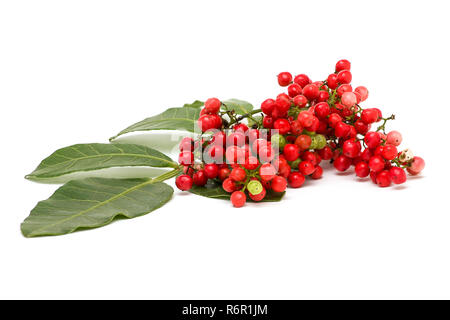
80, 71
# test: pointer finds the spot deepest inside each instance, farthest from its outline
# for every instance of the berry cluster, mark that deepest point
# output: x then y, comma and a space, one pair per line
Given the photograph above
312, 122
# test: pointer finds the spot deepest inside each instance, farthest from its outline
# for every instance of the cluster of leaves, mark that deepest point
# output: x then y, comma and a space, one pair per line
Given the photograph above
93, 202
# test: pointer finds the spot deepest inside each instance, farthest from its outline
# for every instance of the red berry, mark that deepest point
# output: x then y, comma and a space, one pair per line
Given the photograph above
332, 81
224, 173
376, 163
341, 130
334, 119
343, 65
212, 105
266, 153
306, 168
372, 139
300, 101
389, 152
238, 174
343, 88
229, 185
184, 182
369, 116
302, 80
291, 152
251, 163
187, 144
322, 110
362, 169
268, 122
282, 125
211, 170
235, 155
326, 153
208, 122
344, 77
236, 139
200, 178
303, 142
238, 199
240, 127
284, 78
361, 127
259, 196
394, 138
384, 178
267, 106
342, 163
311, 92
279, 184
294, 90
351, 148
296, 179
398, 175
349, 99
305, 118
318, 172
186, 158
267, 172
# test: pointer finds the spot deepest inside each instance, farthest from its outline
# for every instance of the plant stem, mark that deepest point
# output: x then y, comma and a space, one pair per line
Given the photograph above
247, 115
167, 175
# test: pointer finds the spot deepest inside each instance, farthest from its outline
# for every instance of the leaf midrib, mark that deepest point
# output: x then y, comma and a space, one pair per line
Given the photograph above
95, 207
104, 155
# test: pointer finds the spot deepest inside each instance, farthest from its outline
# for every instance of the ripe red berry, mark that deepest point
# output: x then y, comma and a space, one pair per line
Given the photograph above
342, 163
259, 196
279, 184
268, 122
344, 77
296, 179
303, 142
394, 138
334, 119
267, 172
186, 158
398, 175
235, 155
242, 127
238, 174
224, 173
282, 125
284, 78
369, 116
267, 106
211, 170
376, 163
322, 110
317, 174
199, 178
291, 152
208, 122
343, 65
361, 127
187, 144
332, 81
184, 182
302, 80
212, 105
343, 88
306, 168
389, 152
294, 90
300, 101
372, 139
348, 99
305, 118
351, 148
362, 169
384, 178
236, 139
311, 92
229, 185
341, 130
326, 153
251, 163
238, 199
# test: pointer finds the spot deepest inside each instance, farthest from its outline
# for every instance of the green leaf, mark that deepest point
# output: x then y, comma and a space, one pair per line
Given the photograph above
239, 106
94, 202
195, 104
184, 119
93, 156
215, 191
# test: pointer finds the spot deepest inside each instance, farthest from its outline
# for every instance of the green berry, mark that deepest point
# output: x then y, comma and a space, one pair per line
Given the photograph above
278, 141
254, 187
